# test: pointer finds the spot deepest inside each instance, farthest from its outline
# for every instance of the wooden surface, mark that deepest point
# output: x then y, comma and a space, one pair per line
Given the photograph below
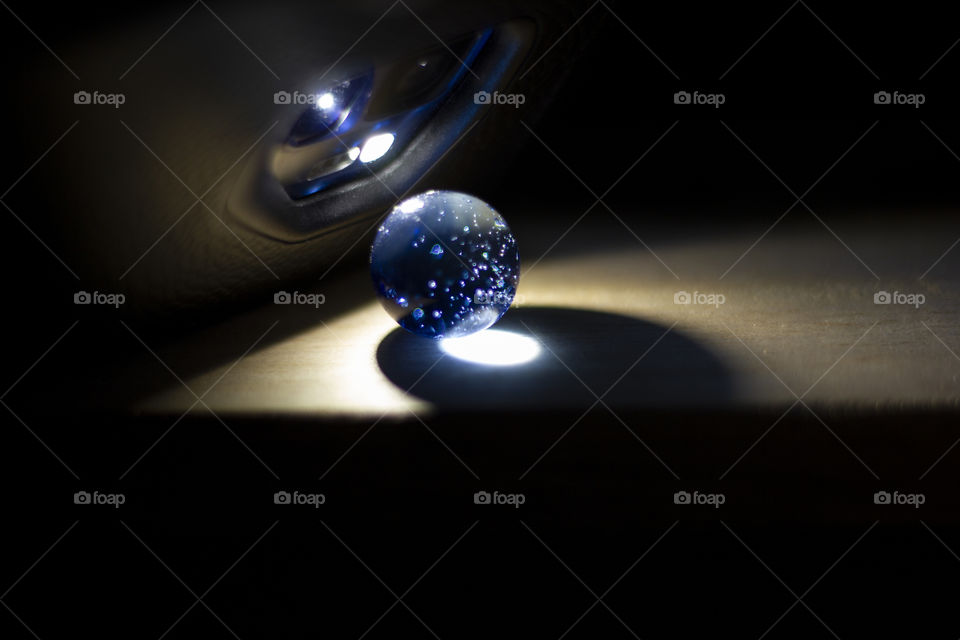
798, 317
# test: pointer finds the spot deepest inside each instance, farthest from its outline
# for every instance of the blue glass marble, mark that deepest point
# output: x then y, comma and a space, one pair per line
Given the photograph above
445, 264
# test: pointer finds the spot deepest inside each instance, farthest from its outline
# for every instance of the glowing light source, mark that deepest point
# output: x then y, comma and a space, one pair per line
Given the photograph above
353, 153
376, 146
493, 347
325, 101
410, 205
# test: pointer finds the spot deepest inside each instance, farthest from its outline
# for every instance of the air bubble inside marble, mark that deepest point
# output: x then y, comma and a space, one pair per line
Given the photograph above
445, 264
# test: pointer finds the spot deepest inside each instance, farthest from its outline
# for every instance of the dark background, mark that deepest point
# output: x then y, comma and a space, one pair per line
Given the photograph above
799, 99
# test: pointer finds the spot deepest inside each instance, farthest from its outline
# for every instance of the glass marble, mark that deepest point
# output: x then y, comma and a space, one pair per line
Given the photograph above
445, 264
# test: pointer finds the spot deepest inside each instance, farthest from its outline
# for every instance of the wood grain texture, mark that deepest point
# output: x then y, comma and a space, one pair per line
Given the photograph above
798, 318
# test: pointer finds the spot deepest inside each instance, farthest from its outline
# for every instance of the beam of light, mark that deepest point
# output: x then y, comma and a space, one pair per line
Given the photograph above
376, 146
492, 347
